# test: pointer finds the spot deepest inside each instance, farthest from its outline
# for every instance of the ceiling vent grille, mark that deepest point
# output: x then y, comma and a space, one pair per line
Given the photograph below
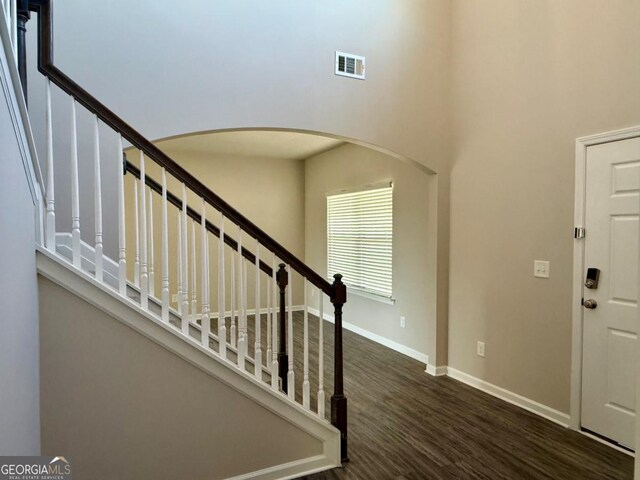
349, 65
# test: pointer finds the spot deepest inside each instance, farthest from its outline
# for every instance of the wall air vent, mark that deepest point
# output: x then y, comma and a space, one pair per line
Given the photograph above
349, 65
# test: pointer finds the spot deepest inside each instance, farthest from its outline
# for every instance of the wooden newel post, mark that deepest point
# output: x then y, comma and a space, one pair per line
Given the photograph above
282, 279
338, 400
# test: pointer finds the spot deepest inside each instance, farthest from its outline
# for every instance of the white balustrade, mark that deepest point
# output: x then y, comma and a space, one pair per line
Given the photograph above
151, 262
144, 273
50, 239
305, 370
97, 182
291, 384
165, 250
205, 319
188, 258
222, 324
257, 352
75, 191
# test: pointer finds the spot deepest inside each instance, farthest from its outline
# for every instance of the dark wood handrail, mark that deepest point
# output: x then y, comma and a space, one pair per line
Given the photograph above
45, 65
177, 202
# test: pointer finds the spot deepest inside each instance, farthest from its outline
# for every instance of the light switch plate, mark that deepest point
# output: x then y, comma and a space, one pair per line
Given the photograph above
541, 268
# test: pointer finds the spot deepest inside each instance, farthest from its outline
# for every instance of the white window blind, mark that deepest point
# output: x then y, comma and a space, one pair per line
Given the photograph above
360, 239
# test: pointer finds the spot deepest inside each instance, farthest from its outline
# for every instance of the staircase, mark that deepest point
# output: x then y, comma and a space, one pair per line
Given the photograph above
204, 282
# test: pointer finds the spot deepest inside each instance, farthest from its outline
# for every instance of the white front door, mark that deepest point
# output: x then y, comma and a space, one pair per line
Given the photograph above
610, 317
610, 313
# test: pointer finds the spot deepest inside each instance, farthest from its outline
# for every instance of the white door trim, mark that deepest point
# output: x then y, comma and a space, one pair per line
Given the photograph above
578, 262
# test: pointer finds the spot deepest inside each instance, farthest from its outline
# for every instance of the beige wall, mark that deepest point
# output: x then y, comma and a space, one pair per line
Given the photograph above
528, 78
121, 406
350, 167
274, 68
268, 191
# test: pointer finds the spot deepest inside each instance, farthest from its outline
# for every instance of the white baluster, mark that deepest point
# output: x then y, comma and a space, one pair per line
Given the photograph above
75, 191
194, 302
257, 352
136, 221
179, 257
97, 180
232, 331
144, 273
152, 275
305, 371
320, 354
51, 200
122, 237
274, 326
241, 305
290, 375
245, 320
165, 250
269, 313
205, 321
222, 324
185, 265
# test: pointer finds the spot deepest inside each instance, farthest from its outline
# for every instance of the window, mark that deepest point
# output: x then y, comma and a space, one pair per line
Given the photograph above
359, 239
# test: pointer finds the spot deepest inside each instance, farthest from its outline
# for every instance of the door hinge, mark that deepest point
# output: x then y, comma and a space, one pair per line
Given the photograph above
579, 232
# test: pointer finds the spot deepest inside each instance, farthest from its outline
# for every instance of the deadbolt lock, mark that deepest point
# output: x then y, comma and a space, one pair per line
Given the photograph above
593, 275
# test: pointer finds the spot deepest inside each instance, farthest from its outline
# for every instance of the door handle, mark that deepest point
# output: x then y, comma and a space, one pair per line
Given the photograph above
590, 304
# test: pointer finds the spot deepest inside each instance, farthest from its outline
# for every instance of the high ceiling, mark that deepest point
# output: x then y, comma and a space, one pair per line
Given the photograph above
261, 143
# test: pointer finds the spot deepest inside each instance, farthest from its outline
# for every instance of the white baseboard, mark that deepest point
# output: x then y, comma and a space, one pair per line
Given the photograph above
296, 469
513, 398
398, 347
436, 371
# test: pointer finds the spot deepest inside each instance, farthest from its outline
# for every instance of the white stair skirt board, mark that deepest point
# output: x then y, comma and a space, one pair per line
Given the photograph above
398, 347
128, 312
513, 398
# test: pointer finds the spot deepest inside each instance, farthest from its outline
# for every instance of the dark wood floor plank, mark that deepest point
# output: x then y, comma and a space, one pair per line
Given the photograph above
406, 425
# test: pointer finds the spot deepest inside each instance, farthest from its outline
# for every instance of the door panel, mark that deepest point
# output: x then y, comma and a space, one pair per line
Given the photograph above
610, 330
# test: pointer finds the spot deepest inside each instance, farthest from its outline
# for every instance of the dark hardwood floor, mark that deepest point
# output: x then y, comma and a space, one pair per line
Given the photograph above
404, 424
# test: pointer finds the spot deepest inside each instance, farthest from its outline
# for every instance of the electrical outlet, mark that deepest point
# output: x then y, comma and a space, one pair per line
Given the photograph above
480, 349
541, 268
174, 298
403, 322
